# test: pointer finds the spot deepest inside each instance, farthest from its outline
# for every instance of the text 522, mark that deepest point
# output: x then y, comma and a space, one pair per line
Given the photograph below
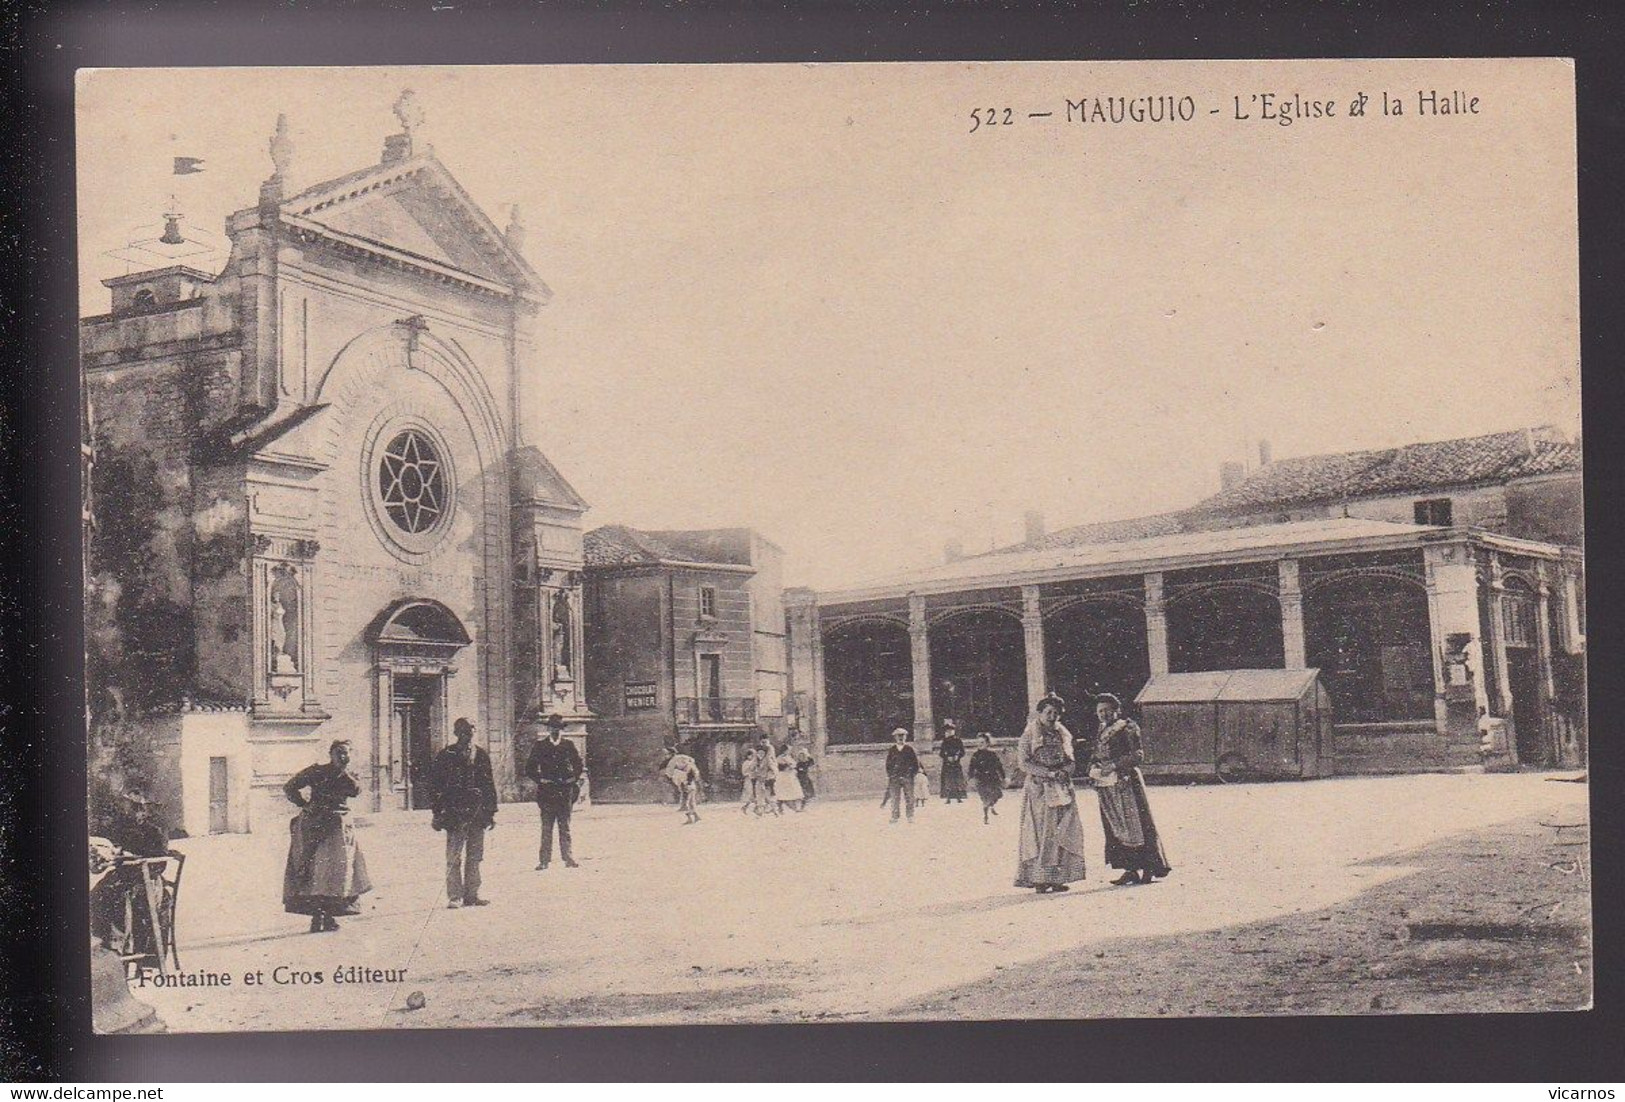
991, 116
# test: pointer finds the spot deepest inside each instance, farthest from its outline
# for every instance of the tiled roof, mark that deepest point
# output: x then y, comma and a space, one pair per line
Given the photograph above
1110, 531
1497, 457
618, 545
1437, 464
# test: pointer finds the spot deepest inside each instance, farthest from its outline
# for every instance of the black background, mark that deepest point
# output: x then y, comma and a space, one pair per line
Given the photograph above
44, 1000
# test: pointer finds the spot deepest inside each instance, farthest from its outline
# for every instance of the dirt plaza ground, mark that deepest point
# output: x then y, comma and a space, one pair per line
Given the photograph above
1347, 895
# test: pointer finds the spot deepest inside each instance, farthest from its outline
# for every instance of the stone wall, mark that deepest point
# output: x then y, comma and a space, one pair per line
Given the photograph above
1364, 749
1551, 509
859, 772
150, 413
732, 621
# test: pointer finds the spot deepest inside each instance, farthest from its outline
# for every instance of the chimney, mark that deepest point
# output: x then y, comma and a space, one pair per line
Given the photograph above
953, 550
1035, 525
1265, 453
1231, 474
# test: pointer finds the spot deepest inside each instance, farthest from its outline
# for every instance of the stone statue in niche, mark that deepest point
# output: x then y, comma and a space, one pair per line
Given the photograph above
284, 618
563, 660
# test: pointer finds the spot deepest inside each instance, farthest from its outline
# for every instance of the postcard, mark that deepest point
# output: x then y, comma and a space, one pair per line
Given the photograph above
586, 545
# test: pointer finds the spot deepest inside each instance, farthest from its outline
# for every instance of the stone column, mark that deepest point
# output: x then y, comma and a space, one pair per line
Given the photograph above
1573, 640
820, 727
1156, 625
919, 642
1452, 589
1292, 641
1497, 636
1543, 637
1032, 632
806, 646
1548, 680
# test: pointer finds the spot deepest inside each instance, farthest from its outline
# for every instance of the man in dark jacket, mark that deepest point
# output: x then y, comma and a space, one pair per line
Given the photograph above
555, 766
465, 807
902, 763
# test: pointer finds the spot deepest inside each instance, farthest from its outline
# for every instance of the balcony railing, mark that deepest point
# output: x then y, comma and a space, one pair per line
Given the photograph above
716, 709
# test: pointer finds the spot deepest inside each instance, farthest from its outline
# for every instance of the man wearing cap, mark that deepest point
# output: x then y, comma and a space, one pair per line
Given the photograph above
465, 807
902, 763
555, 766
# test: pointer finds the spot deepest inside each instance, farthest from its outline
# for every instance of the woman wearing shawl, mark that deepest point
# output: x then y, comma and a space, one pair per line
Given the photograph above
326, 873
952, 751
1050, 851
987, 774
1132, 843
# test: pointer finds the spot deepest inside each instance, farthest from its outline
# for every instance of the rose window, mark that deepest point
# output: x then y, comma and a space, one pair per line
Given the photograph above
412, 482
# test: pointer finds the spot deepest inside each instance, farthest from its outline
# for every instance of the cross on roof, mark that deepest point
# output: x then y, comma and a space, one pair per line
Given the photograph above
409, 111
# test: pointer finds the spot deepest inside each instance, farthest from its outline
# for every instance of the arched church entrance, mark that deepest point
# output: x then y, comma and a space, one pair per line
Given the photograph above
415, 643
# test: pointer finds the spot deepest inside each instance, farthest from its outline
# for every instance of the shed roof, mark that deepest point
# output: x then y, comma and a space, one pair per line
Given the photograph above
1227, 685
1169, 548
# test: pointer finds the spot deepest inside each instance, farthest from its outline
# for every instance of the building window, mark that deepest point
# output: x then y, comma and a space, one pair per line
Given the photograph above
411, 483
708, 602
1518, 619
144, 300
1434, 511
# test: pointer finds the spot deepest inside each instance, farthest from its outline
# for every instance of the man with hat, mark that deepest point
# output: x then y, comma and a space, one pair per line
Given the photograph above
902, 763
465, 807
555, 766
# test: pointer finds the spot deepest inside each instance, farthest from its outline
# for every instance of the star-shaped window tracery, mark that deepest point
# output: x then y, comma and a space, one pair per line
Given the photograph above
412, 483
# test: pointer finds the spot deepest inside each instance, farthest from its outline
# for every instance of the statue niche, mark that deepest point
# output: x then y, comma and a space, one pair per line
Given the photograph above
283, 619
563, 659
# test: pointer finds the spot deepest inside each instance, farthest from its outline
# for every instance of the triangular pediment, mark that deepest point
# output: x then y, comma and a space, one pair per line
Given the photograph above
413, 211
536, 479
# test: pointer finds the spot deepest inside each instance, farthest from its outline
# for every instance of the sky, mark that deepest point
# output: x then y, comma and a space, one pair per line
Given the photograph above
813, 300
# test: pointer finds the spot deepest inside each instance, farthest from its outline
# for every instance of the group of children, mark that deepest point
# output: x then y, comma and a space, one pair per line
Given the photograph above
776, 781
772, 780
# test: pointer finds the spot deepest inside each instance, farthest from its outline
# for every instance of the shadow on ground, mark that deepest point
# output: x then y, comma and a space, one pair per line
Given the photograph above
1490, 921
615, 1006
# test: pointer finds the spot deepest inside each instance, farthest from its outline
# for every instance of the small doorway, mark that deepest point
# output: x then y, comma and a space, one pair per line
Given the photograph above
1523, 676
219, 803
1528, 728
416, 703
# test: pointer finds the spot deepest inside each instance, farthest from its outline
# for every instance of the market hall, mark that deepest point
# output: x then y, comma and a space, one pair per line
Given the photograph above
1437, 589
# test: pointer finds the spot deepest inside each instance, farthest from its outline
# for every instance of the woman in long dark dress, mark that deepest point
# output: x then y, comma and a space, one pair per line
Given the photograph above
326, 873
1132, 842
987, 774
952, 751
1049, 854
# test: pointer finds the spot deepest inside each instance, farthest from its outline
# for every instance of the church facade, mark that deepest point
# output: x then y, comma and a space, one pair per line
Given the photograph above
315, 514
